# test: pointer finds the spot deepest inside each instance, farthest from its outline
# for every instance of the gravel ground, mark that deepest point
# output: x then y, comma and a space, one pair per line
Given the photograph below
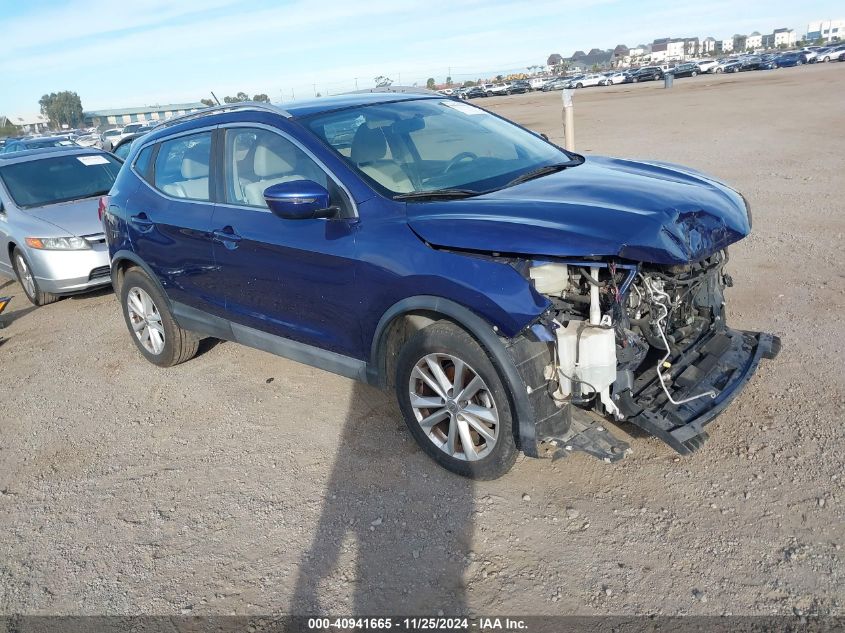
244, 483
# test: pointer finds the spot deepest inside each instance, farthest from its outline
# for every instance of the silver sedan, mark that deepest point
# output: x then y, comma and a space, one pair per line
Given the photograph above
51, 237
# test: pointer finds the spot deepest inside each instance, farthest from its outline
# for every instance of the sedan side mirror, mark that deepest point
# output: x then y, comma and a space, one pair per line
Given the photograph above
299, 200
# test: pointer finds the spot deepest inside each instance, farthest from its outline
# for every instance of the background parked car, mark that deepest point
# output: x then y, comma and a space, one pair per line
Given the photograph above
707, 65
519, 87
585, 81
495, 89
614, 78
41, 142
95, 140
647, 73
121, 149
687, 69
786, 60
51, 238
558, 83
475, 92
831, 53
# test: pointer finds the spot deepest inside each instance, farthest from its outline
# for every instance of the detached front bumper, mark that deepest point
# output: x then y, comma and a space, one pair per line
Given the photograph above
723, 361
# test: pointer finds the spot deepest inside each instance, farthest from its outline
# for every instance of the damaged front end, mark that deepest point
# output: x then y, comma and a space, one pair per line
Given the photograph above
642, 343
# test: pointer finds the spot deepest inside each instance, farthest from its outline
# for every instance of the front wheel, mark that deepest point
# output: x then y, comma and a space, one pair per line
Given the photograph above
454, 402
154, 331
27, 280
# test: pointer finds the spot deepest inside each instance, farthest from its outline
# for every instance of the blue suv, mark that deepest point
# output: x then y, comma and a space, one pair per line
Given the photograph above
515, 295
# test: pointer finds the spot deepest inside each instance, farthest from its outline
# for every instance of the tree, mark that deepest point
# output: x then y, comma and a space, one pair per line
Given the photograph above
262, 98
207, 102
499, 78
448, 81
430, 83
383, 82
238, 98
62, 108
469, 84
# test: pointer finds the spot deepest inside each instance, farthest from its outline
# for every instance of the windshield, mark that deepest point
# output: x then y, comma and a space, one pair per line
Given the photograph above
38, 183
427, 145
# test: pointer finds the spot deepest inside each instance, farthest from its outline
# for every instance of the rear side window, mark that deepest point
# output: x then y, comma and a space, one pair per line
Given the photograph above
182, 167
143, 162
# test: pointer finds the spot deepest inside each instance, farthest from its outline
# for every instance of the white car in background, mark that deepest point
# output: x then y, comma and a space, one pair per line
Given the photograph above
113, 135
707, 65
614, 78
587, 80
496, 89
537, 83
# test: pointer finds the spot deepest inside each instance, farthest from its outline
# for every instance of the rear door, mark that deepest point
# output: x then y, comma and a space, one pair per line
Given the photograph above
169, 219
290, 278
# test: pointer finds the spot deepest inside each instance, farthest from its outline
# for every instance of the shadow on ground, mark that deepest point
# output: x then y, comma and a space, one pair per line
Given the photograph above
395, 531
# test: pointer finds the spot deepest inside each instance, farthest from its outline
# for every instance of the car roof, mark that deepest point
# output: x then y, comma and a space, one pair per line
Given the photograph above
46, 152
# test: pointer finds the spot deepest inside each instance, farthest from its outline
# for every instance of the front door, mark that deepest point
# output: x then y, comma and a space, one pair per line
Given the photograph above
291, 278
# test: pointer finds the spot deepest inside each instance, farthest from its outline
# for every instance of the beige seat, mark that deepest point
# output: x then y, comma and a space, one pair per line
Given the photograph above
276, 164
369, 152
194, 170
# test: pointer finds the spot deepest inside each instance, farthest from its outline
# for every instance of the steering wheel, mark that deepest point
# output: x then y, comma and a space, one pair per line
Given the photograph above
458, 159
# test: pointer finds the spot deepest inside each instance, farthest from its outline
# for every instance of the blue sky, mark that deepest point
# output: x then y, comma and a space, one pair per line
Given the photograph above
121, 54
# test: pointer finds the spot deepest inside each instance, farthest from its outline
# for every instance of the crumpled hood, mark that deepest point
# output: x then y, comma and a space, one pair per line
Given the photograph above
650, 212
78, 217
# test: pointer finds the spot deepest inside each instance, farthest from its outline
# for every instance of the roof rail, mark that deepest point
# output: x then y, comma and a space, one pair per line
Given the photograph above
219, 109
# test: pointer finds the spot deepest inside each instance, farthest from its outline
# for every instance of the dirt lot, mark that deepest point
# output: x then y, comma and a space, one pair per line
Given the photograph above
244, 483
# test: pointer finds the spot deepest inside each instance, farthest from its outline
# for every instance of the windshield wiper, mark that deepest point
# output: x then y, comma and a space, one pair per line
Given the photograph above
543, 171
446, 194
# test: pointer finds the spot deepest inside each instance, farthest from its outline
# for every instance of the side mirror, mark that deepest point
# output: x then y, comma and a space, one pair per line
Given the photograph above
299, 200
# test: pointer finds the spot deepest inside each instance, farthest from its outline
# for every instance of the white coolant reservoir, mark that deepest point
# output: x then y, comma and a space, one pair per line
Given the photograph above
550, 279
596, 357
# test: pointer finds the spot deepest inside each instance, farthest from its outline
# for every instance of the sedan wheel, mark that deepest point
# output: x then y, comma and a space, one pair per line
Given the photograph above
29, 283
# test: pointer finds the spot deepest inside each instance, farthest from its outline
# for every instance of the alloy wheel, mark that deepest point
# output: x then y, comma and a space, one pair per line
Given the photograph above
26, 278
454, 407
146, 320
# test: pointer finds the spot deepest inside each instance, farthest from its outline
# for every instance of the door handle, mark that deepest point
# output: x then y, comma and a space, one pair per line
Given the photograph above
141, 222
226, 236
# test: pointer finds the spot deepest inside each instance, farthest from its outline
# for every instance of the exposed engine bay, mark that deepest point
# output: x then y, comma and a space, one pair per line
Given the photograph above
645, 343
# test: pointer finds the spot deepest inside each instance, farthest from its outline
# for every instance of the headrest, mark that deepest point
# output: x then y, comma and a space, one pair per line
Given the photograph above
368, 145
274, 161
195, 163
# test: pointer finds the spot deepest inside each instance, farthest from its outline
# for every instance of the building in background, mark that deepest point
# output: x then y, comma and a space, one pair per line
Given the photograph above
30, 123
754, 41
708, 46
825, 30
724, 46
122, 116
785, 37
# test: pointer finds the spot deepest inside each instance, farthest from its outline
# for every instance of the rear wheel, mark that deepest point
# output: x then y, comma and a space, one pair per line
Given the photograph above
27, 280
454, 402
154, 331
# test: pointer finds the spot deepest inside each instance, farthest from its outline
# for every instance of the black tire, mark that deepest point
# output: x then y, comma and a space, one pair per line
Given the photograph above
180, 345
444, 337
579, 85
32, 291
692, 74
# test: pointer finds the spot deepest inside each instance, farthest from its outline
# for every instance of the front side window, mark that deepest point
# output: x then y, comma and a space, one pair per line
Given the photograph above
429, 144
183, 165
256, 159
46, 181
